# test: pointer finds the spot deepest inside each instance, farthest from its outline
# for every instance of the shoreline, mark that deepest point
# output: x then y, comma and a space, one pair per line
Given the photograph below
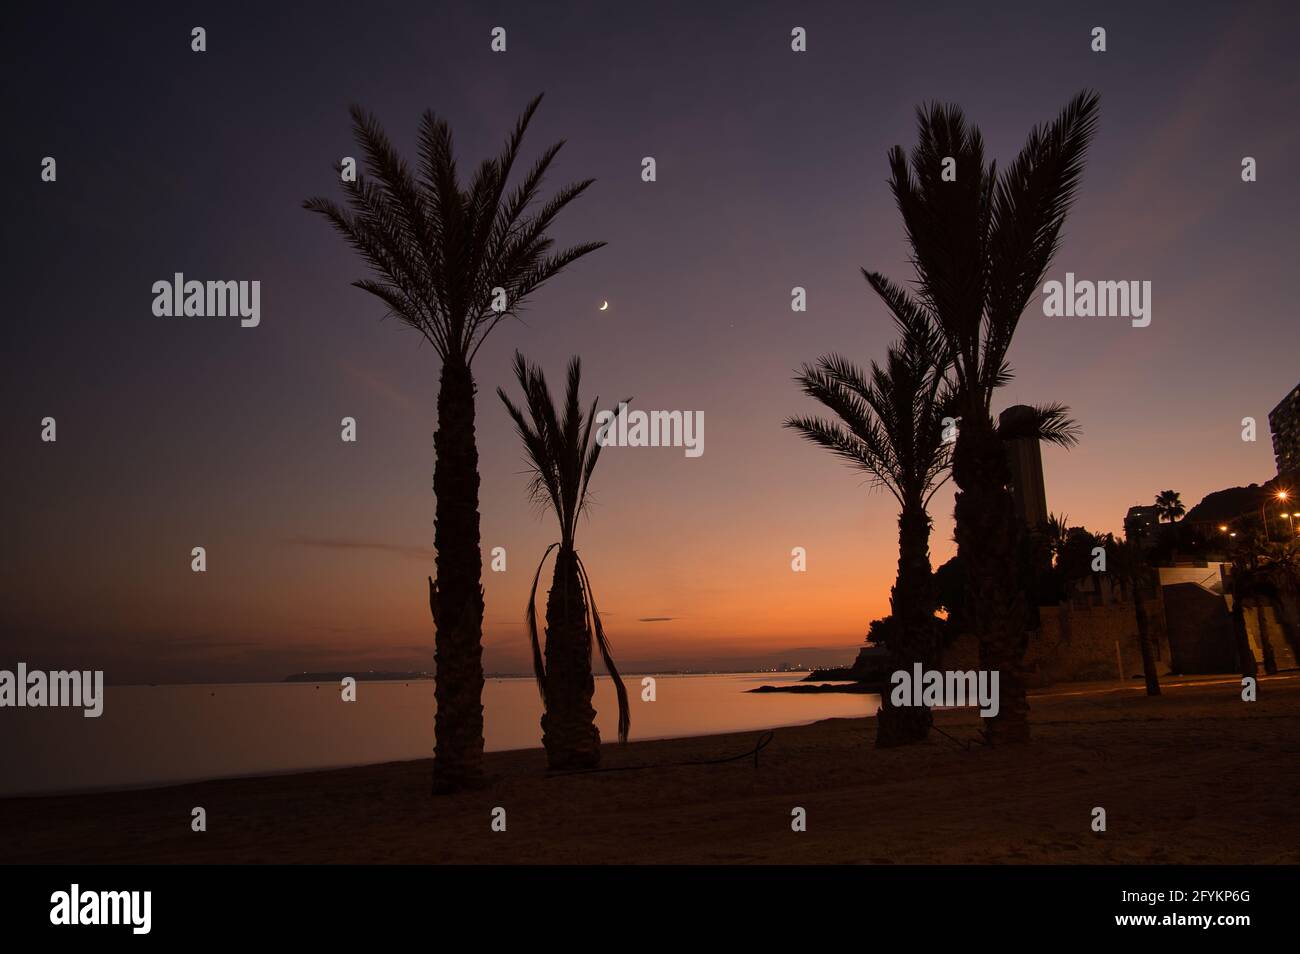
1228, 802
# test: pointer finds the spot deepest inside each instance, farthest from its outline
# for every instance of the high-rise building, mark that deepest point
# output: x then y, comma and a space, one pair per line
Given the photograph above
1284, 422
1141, 525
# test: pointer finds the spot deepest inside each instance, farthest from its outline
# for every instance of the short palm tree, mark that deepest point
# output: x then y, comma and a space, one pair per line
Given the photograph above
981, 244
891, 426
561, 452
452, 262
1169, 505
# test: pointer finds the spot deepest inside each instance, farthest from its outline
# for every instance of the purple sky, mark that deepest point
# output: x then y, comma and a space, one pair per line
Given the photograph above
174, 433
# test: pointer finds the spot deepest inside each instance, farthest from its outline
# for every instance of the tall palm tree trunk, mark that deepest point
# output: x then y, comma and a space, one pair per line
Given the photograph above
569, 731
456, 599
915, 640
988, 543
1265, 644
1245, 656
1144, 641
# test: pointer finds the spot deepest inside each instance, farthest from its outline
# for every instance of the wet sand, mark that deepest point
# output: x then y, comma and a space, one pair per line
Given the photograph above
1195, 776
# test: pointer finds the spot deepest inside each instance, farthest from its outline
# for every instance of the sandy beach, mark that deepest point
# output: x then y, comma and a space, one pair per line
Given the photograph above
1195, 776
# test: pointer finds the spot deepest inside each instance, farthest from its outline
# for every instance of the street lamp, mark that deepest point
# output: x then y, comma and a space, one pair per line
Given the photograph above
1282, 495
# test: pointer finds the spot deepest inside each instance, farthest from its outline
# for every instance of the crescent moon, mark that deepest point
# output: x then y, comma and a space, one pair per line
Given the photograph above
604, 306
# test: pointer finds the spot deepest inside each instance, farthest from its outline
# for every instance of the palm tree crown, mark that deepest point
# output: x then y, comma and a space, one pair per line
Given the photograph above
1169, 505
561, 452
439, 251
982, 242
891, 421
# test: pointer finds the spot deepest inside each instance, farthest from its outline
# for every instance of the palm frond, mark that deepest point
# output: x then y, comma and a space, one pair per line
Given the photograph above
530, 621
981, 243
1030, 204
607, 657
438, 249
890, 419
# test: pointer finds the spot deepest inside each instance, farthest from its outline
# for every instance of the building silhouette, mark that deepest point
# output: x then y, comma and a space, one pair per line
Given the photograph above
1284, 422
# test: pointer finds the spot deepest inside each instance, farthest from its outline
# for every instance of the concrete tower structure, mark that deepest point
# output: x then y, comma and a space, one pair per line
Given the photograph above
1025, 458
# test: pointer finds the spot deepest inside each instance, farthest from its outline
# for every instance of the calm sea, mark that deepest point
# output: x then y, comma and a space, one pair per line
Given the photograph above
151, 735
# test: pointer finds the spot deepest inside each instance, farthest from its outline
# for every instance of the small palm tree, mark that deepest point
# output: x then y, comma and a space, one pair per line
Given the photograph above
561, 453
980, 245
1058, 527
891, 426
1169, 505
452, 262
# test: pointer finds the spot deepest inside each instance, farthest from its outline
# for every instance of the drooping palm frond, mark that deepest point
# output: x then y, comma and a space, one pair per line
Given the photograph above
1050, 423
530, 621
438, 251
607, 656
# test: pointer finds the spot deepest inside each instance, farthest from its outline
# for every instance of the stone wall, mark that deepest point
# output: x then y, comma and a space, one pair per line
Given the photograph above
1282, 651
1087, 638
1093, 635
1200, 630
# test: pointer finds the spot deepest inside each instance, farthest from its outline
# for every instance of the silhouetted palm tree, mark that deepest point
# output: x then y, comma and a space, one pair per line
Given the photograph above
1243, 586
561, 453
1128, 561
1282, 587
1169, 505
1058, 528
452, 262
1264, 575
891, 425
980, 246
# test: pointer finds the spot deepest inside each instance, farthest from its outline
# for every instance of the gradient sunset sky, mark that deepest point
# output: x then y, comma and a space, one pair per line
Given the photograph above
174, 433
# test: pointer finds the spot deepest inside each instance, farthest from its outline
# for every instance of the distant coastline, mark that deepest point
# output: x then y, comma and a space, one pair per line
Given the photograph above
372, 676
385, 676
